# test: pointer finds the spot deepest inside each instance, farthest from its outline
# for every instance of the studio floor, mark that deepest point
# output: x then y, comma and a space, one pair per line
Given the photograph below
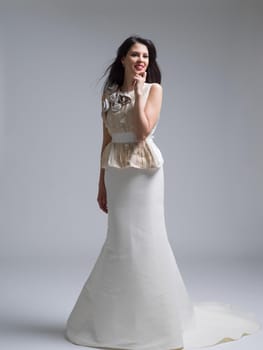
37, 295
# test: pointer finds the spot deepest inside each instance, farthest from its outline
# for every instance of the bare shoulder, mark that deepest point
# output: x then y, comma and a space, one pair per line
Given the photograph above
156, 86
156, 89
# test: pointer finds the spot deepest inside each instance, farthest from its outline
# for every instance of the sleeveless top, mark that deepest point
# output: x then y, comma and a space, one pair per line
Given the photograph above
124, 150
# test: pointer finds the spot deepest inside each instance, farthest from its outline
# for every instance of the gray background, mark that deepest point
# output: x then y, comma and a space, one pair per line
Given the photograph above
53, 54
210, 131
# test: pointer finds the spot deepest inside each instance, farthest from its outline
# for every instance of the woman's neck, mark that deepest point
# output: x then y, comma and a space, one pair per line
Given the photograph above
127, 85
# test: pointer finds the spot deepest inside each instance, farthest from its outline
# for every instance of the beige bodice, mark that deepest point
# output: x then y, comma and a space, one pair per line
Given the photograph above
124, 150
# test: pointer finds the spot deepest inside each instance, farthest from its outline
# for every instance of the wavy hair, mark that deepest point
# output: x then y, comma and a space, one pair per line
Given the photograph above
115, 71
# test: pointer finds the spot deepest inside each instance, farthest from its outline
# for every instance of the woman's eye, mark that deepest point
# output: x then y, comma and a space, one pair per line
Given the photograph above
134, 54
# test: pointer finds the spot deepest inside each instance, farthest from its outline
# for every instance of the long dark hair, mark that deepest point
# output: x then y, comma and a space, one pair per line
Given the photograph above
115, 71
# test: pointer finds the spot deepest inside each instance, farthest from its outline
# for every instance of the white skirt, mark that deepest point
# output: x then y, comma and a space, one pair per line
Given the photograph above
135, 297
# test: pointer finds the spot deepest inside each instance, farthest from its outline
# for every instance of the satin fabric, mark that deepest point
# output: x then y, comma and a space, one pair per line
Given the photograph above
135, 297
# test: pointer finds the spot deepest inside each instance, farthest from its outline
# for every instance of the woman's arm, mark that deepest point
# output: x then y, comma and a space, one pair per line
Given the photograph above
105, 141
147, 113
102, 193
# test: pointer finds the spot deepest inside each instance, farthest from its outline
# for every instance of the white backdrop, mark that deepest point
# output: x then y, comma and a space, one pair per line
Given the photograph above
210, 130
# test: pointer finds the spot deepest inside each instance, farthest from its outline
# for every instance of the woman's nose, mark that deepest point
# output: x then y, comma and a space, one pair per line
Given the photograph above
141, 58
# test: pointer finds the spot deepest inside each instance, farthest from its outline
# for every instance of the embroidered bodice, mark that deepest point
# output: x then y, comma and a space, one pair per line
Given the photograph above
125, 150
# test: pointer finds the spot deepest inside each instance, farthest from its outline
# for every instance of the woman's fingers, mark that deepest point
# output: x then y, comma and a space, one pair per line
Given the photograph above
139, 80
104, 205
102, 201
141, 76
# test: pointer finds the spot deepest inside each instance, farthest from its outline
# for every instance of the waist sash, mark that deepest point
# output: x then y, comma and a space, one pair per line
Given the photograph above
125, 137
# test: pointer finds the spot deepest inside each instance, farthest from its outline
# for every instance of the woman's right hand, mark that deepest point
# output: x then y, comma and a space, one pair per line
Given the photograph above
102, 197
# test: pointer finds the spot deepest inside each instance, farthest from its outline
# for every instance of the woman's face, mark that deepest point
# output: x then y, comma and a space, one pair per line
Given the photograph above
137, 59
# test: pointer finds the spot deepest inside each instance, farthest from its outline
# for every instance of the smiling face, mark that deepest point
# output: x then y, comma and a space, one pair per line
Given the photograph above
137, 59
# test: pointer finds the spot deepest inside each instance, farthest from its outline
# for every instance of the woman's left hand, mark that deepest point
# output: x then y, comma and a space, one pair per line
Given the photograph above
139, 81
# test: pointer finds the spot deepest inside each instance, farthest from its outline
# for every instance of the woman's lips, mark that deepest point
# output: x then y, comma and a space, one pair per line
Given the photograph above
139, 66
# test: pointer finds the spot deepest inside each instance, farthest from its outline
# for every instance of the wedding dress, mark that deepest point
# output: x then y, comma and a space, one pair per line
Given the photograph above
135, 297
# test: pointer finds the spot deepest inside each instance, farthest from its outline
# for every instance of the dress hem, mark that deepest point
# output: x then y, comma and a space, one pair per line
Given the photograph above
73, 338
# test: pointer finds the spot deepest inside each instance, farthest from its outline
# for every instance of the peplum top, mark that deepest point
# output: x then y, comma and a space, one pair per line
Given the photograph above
124, 150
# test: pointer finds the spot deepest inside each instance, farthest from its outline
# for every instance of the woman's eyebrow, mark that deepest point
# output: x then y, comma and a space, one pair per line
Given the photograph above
145, 53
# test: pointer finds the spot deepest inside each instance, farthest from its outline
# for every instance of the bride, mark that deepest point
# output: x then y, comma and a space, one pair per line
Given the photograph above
135, 297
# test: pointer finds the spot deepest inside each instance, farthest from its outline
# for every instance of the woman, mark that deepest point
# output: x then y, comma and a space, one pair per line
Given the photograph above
135, 297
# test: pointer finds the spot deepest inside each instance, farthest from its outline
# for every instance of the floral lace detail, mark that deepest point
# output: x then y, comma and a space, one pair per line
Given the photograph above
115, 101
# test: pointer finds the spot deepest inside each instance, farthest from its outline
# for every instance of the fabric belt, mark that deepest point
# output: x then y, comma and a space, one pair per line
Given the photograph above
124, 137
